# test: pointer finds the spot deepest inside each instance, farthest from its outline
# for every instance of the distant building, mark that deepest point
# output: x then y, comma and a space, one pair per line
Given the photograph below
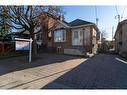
121, 38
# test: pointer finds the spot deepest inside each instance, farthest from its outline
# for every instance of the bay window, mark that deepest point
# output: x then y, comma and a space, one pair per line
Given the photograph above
59, 36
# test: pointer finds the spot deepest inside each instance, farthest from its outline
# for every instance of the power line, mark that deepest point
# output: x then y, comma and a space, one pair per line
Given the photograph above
123, 12
118, 16
116, 10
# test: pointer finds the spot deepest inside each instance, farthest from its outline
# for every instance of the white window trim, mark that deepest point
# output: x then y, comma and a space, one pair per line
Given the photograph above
64, 32
79, 37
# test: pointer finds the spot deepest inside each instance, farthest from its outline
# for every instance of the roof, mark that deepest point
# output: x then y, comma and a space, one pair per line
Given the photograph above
119, 25
65, 22
123, 21
79, 22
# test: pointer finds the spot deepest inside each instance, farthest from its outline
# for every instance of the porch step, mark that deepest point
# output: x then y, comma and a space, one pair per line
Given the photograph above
89, 54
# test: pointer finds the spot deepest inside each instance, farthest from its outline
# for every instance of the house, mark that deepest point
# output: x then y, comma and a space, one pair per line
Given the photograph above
121, 38
25, 35
77, 37
12, 35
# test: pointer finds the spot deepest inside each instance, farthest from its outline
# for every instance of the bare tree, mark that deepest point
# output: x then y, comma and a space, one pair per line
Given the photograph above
4, 27
27, 18
104, 34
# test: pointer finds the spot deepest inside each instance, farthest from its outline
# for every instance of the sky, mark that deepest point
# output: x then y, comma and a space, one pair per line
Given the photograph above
105, 14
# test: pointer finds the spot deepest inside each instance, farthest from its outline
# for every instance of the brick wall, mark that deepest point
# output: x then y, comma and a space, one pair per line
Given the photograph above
65, 44
68, 44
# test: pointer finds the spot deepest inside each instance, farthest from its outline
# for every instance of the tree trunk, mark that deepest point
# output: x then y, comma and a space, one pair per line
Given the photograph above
45, 36
34, 44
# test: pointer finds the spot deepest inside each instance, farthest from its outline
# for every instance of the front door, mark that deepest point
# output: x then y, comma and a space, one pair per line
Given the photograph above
77, 37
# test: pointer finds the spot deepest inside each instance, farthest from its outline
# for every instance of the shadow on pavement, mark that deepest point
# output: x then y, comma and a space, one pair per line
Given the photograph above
20, 63
100, 72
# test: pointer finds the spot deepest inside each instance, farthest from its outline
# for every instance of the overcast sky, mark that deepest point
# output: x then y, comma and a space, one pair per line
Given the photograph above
106, 15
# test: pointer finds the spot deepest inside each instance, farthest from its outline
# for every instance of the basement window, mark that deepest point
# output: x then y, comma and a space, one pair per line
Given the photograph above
59, 36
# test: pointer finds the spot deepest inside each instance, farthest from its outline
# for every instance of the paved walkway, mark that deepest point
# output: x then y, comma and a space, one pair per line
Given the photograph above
16, 73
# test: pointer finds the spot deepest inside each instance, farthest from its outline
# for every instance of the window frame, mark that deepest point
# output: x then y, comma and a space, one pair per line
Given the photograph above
62, 35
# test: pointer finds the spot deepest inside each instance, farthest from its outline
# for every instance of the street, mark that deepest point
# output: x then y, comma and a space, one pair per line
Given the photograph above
101, 72
52, 71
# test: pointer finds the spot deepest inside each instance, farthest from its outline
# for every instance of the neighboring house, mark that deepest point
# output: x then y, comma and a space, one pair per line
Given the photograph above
121, 38
77, 37
11, 36
25, 35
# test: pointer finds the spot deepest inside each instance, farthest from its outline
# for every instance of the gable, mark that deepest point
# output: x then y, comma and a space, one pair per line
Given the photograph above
61, 25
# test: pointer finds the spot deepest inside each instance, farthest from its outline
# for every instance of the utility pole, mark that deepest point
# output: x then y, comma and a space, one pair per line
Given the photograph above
112, 32
97, 19
118, 16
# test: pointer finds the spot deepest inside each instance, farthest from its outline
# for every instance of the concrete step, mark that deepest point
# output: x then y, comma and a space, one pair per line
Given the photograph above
73, 51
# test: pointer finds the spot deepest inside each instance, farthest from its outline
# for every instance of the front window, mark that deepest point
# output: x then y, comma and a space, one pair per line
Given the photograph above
76, 36
60, 36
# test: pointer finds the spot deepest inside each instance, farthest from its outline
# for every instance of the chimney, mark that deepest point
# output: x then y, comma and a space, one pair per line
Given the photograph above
61, 17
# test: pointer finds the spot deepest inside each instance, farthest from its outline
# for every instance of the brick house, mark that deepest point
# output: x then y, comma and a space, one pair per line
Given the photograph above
76, 37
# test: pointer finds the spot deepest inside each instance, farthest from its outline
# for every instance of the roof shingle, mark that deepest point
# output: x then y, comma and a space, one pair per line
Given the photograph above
79, 22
